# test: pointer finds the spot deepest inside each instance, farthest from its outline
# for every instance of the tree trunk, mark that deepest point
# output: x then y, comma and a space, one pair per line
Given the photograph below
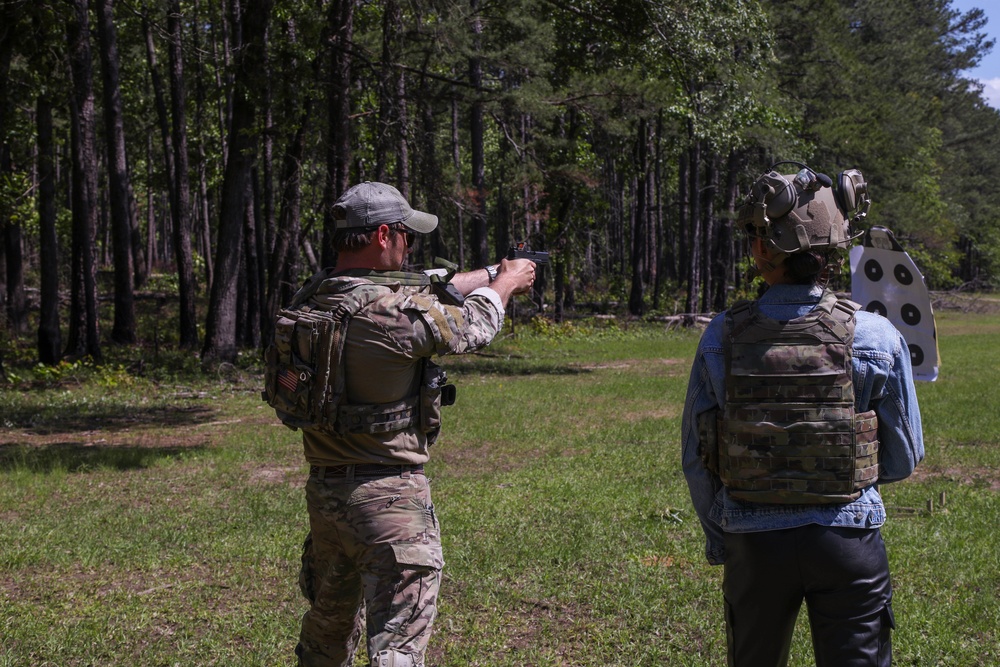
340, 22
220, 329
659, 243
683, 214
726, 250
181, 208
428, 168
694, 225
13, 305
150, 205
223, 110
283, 273
83, 324
203, 223
479, 227
710, 255
163, 121
393, 117
636, 305
9, 12
119, 188
49, 336
266, 221
3, 266
281, 278
457, 164
17, 305
248, 331
205, 227
384, 122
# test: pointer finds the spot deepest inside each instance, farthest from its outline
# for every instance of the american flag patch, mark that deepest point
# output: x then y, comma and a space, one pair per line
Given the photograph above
289, 379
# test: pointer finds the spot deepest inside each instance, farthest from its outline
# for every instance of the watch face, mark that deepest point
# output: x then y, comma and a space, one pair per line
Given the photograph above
491, 271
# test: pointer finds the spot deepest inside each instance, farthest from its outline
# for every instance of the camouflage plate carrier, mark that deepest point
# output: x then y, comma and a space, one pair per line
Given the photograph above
304, 376
789, 432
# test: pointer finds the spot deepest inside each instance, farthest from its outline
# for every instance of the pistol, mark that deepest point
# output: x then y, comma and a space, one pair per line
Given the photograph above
521, 251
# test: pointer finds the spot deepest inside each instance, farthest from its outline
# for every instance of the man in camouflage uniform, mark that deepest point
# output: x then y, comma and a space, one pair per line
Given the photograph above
374, 547
798, 406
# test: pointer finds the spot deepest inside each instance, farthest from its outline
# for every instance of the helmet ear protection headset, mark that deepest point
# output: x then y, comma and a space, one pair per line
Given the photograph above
773, 195
852, 194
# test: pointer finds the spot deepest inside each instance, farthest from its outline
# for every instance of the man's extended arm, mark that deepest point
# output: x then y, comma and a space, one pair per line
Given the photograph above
513, 277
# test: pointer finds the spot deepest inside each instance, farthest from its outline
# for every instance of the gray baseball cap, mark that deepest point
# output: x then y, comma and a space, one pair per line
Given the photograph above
369, 204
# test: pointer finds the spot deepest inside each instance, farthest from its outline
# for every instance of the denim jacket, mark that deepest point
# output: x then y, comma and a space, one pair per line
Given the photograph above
883, 381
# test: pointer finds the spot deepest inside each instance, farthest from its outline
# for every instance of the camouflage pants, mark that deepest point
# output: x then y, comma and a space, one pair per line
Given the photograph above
373, 552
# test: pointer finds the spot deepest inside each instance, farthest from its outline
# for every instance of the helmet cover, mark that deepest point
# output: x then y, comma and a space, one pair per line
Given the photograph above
799, 212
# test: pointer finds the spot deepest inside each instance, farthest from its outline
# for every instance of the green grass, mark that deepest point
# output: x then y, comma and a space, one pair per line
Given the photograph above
154, 521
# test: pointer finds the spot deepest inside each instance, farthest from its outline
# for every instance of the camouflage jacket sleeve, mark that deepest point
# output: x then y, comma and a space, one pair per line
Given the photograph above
458, 329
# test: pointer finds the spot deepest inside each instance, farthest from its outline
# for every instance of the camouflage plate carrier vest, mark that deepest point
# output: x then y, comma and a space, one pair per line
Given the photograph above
304, 370
789, 432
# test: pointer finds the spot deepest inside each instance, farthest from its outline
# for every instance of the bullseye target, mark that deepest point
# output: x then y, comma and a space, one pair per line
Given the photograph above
885, 280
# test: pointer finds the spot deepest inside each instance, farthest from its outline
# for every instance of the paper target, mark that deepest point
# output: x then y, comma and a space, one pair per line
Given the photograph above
885, 280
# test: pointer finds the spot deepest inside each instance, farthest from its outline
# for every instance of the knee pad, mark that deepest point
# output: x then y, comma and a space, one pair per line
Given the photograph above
392, 658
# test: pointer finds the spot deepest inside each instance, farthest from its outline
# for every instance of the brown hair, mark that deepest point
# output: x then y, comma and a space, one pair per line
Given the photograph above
811, 266
353, 239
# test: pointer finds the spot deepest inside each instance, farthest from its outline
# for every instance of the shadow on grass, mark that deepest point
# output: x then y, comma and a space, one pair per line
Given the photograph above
37, 450
47, 420
77, 457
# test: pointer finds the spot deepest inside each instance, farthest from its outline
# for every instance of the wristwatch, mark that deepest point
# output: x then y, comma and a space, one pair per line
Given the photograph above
491, 271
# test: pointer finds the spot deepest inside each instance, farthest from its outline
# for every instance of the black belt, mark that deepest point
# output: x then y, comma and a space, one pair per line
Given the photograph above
364, 471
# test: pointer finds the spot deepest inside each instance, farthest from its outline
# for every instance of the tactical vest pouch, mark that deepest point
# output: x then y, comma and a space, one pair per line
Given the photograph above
297, 367
377, 418
435, 392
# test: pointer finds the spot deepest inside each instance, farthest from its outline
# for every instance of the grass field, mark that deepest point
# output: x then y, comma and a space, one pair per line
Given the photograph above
158, 521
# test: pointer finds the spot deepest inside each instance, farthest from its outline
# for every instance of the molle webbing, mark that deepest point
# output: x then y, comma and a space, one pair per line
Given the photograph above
305, 379
789, 432
381, 418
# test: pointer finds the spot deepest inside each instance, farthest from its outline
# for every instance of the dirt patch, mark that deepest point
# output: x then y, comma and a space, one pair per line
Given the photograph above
100, 438
529, 624
965, 302
960, 475
219, 589
192, 430
664, 411
540, 622
294, 475
644, 366
486, 457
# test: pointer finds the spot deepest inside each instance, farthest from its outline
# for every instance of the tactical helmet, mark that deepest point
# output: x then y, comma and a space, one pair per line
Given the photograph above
799, 212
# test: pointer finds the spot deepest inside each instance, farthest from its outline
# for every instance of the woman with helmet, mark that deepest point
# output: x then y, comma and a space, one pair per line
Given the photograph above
799, 406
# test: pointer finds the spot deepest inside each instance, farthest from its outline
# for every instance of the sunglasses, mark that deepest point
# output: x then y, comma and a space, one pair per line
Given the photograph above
409, 236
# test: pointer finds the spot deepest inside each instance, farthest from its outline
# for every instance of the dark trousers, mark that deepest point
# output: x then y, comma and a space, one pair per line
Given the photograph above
841, 573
